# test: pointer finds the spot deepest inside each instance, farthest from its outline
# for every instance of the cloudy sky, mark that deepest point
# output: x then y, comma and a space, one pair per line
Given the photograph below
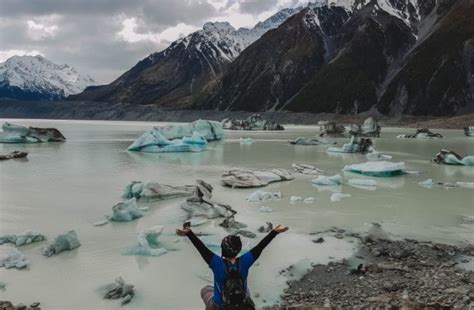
104, 38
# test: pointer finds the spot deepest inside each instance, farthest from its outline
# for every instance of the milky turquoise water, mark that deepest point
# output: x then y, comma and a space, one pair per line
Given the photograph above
63, 186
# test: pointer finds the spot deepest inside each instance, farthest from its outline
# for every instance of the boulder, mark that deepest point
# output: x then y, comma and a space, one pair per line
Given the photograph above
155, 191
64, 242
153, 141
331, 129
253, 122
370, 128
10, 257
14, 154
13, 133
421, 133
242, 178
448, 157
23, 238
356, 145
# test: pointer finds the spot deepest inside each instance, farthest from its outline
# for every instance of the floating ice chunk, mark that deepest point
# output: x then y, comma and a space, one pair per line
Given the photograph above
370, 128
261, 195
23, 238
126, 211
427, 183
19, 134
308, 200
264, 209
101, 223
246, 141
148, 243
210, 130
377, 168
64, 242
377, 156
156, 191
253, 122
118, 290
306, 169
237, 177
362, 182
469, 131
339, 196
10, 257
356, 145
306, 141
13, 155
465, 184
323, 180
452, 158
421, 133
154, 142
294, 199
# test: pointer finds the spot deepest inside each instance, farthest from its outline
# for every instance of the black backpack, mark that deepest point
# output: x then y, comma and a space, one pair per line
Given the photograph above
234, 293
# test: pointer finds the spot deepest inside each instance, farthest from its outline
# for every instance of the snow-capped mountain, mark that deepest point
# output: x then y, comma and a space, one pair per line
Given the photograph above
37, 78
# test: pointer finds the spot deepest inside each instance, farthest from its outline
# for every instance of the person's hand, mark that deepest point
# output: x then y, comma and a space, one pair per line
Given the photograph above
280, 228
183, 231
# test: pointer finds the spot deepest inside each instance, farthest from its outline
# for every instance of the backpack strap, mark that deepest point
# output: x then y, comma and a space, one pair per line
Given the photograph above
228, 265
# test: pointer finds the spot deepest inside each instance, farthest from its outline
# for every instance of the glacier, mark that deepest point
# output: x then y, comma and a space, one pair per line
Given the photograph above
377, 168
155, 191
153, 141
10, 257
148, 243
244, 178
26, 237
63, 242
126, 211
13, 133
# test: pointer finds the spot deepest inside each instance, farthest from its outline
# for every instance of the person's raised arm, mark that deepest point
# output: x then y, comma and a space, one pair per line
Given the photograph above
198, 244
257, 250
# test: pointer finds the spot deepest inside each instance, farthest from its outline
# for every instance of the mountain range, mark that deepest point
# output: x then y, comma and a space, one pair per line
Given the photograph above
346, 56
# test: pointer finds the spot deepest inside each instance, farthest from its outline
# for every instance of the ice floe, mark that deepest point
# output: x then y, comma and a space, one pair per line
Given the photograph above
452, 158
13, 155
148, 243
430, 184
339, 196
63, 242
243, 178
421, 133
261, 195
245, 141
153, 141
156, 191
119, 290
356, 145
126, 211
377, 168
294, 199
306, 169
10, 257
23, 238
306, 141
323, 180
13, 133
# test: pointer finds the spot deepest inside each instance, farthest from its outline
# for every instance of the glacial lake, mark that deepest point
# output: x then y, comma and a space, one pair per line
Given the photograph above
71, 185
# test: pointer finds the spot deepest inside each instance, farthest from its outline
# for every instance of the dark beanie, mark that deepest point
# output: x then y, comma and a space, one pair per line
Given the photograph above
231, 246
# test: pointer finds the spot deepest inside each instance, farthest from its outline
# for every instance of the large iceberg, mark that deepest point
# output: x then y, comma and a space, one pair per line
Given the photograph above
23, 238
13, 133
64, 242
242, 178
152, 141
306, 169
452, 158
377, 168
323, 180
210, 130
126, 211
12, 155
370, 128
356, 145
155, 191
10, 257
421, 133
253, 122
148, 244
469, 131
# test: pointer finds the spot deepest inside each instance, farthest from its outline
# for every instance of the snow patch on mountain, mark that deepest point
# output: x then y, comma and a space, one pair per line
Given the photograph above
37, 74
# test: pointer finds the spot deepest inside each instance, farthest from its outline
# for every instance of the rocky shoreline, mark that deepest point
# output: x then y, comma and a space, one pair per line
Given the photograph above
386, 274
89, 110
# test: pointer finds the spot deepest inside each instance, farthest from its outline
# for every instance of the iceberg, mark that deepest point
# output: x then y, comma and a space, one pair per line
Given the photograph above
246, 141
427, 183
64, 242
148, 243
309, 200
210, 130
294, 199
339, 196
323, 180
263, 196
26, 237
126, 211
153, 141
253, 122
306, 141
370, 128
13, 133
469, 131
331, 129
356, 145
264, 209
241, 178
155, 191
10, 257
13, 155
421, 133
120, 290
306, 169
377, 168
452, 158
